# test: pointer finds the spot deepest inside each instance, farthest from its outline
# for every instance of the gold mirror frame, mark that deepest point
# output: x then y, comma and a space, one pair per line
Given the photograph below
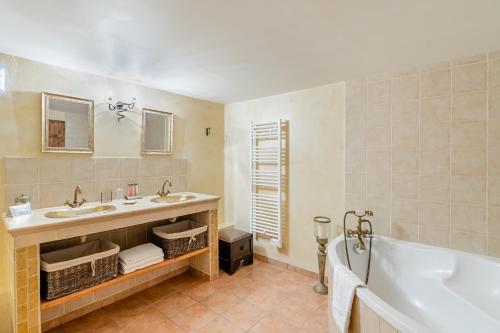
45, 124
170, 148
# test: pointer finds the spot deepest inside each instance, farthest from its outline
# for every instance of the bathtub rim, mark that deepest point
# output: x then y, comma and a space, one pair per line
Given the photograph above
395, 318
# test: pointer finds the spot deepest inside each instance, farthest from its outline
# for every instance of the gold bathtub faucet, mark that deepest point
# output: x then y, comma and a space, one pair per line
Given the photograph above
359, 233
76, 203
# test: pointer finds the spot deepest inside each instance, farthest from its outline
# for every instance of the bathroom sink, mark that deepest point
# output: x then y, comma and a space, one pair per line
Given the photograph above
79, 211
173, 198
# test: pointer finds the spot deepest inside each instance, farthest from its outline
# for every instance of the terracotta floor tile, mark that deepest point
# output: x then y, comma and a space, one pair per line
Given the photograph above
150, 321
220, 325
267, 298
173, 304
184, 281
157, 292
316, 323
245, 315
306, 295
294, 311
272, 324
239, 288
199, 291
220, 302
222, 281
194, 317
93, 322
126, 307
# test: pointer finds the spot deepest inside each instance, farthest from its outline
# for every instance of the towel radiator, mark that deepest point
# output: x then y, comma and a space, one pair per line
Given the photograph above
268, 175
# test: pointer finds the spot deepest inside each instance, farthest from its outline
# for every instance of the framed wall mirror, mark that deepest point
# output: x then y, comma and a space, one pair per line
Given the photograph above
67, 124
157, 132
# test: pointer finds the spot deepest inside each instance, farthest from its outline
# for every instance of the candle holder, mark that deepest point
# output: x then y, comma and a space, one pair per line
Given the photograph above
321, 231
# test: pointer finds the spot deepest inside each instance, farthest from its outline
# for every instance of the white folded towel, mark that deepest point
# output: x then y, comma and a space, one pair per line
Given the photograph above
138, 253
125, 269
345, 283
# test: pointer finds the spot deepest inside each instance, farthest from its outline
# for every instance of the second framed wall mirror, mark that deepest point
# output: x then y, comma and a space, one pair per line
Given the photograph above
157, 132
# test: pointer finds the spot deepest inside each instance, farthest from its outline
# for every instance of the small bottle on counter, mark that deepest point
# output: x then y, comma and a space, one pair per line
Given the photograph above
119, 193
130, 189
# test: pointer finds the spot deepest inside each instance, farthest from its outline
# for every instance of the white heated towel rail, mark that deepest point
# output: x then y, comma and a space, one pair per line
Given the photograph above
268, 160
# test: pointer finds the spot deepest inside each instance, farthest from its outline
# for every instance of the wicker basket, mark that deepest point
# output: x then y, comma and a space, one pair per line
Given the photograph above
180, 238
68, 270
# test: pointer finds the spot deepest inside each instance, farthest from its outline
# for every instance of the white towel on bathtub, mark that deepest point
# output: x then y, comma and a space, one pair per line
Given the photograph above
345, 283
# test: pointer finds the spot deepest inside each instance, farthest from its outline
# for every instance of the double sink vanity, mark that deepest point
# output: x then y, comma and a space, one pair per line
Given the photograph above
47, 227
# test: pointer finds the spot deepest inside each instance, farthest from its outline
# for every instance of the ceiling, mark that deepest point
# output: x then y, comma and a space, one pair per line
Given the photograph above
227, 51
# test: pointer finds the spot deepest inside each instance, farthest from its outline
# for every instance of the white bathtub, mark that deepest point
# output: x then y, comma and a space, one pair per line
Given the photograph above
421, 288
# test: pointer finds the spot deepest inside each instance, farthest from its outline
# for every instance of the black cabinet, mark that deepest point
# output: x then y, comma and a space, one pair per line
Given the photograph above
235, 246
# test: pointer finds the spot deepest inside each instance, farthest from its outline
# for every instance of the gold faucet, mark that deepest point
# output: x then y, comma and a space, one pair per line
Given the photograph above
359, 232
76, 203
162, 193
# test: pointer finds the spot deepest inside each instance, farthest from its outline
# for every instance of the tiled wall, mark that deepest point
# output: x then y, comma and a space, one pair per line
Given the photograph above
50, 181
423, 152
27, 290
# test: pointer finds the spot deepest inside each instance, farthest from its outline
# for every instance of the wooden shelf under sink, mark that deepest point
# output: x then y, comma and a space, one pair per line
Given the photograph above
46, 304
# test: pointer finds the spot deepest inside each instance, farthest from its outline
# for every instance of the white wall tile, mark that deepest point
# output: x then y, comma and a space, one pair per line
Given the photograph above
405, 88
436, 83
469, 135
435, 162
468, 218
435, 136
494, 74
434, 214
435, 189
355, 161
435, 109
469, 77
404, 211
378, 185
405, 113
379, 92
468, 162
405, 186
356, 183
54, 170
434, 236
405, 161
378, 161
21, 170
377, 138
378, 115
405, 137
468, 190
471, 106
468, 241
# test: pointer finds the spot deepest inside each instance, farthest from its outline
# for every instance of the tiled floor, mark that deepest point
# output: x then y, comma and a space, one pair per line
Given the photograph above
258, 298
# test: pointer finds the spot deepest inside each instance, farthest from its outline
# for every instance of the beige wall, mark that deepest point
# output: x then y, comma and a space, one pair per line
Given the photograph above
423, 152
316, 167
20, 124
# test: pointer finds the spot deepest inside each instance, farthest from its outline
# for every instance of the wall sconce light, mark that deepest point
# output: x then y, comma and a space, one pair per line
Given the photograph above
120, 107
